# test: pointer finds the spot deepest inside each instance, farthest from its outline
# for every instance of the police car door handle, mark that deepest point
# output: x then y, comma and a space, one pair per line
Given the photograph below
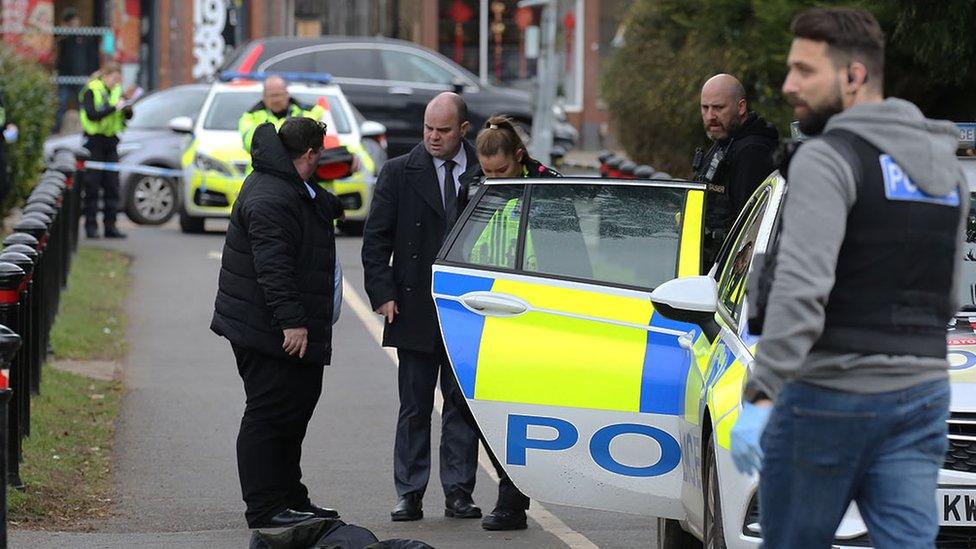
401, 90
494, 304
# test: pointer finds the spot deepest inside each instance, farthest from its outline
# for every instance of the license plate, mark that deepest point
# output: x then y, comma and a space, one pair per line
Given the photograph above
957, 507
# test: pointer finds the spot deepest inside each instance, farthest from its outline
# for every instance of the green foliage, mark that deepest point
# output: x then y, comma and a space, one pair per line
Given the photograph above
30, 103
652, 83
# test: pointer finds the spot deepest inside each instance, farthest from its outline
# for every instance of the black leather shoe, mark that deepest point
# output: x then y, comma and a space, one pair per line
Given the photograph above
288, 517
505, 519
461, 507
112, 232
91, 234
408, 507
320, 512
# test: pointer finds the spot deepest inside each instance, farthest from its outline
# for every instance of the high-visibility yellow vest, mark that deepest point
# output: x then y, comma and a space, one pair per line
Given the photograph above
112, 124
250, 120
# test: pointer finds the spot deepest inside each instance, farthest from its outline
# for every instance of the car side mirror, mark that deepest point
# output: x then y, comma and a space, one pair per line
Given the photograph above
181, 124
370, 128
692, 299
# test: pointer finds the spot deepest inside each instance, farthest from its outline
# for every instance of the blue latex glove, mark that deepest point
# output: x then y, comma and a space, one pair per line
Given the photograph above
746, 452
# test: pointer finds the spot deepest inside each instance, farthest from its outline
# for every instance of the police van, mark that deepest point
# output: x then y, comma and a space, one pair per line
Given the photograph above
549, 295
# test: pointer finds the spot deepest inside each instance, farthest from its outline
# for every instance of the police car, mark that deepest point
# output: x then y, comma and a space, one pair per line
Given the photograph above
215, 162
590, 396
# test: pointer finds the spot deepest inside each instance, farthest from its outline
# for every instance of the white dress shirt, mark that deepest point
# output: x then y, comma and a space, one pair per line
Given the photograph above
460, 165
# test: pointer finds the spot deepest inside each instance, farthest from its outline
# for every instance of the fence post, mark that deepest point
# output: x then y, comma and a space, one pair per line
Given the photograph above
9, 343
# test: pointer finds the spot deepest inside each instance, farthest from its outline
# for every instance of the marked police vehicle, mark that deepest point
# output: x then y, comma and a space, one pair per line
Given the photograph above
550, 296
215, 162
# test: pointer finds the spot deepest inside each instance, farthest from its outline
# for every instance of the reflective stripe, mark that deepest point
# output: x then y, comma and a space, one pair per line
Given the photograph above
689, 261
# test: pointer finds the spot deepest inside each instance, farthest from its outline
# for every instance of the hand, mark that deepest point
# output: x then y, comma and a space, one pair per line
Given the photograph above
389, 310
296, 341
746, 452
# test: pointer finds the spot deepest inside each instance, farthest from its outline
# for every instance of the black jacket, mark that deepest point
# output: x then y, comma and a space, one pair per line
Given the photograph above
748, 162
406, 221
278, 264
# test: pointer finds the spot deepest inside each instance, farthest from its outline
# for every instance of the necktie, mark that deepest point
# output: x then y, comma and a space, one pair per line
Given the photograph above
450, 194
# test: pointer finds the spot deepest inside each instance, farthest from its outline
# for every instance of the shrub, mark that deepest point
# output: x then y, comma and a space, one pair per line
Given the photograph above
652, 83
30, 103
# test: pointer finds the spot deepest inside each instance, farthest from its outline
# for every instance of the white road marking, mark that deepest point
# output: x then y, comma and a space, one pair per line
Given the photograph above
548, 521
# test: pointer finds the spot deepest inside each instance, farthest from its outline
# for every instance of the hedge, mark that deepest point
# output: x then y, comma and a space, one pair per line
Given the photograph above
652, 83
30, 104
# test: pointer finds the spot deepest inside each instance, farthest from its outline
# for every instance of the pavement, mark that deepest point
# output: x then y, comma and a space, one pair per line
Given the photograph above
175, 461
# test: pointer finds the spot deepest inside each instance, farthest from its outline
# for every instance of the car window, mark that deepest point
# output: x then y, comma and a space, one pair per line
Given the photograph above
626, 235
409, 67
226, 109
489, 237
734, 266
341, 63
157, 109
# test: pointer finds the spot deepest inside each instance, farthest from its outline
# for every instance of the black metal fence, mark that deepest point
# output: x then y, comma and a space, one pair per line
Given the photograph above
34, 263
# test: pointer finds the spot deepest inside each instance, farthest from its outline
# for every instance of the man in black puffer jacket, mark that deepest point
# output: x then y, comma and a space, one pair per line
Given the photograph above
274, 304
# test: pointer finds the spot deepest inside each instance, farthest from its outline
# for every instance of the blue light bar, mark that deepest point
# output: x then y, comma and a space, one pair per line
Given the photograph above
967, 135
318, 77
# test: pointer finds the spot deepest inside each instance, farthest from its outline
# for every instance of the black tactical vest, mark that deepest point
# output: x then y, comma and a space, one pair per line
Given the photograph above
894, 273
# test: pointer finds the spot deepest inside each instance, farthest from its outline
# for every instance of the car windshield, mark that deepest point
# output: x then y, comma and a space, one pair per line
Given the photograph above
227, 108
156, 110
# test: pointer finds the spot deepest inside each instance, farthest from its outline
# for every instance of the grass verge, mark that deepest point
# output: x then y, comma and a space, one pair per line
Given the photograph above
67, 466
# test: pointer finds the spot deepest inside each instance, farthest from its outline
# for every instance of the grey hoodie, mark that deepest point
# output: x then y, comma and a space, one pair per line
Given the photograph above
822, 191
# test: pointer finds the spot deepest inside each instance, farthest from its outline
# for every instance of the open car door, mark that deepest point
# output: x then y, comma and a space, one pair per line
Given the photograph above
542, 292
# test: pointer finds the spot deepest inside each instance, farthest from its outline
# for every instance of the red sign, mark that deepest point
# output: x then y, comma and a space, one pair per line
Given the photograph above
27, 26
962, 341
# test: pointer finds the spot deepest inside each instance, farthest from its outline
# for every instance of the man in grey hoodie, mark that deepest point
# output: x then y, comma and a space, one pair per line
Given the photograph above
849, 394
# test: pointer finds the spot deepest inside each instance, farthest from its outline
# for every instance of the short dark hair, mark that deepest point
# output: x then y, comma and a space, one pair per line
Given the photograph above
299, 134
851, 35
69, 15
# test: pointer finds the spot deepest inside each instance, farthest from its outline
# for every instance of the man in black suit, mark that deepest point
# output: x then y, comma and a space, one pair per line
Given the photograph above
417, 200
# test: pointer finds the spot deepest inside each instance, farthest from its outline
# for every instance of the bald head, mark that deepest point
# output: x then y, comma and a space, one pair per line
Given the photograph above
723, 105
445, 124
275, 94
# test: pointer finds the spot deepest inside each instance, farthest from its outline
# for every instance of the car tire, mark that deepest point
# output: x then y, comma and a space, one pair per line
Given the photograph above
151, 199
192, 225
714, 529
670, 535
352, 228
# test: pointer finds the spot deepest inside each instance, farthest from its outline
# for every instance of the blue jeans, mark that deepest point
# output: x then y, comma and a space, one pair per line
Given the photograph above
824, 448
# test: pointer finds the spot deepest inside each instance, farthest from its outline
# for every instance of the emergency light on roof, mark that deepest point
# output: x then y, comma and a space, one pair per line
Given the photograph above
316, 77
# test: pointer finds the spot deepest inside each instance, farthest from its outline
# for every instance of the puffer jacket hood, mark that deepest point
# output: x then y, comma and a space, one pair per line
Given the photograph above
268, 154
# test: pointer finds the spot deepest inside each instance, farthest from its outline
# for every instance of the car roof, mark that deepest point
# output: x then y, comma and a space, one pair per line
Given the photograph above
288, 42
254, 85
594, 180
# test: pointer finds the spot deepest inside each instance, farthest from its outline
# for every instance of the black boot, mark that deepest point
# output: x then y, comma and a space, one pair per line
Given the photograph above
112, 232
91, 231
505, 519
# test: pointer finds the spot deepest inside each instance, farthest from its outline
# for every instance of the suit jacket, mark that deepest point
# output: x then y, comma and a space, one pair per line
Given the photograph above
406, 221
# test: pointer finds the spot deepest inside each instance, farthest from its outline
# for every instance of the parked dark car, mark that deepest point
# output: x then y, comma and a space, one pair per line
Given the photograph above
391, 82
148, 141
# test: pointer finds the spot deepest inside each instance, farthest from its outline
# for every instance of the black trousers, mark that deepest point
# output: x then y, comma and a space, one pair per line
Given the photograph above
281, 397
106, 183
417, 377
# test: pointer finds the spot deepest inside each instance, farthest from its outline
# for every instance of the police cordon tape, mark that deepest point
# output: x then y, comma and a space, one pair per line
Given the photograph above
132, 168
156, 170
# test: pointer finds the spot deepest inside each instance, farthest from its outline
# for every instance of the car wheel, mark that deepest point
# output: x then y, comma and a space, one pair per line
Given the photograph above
714, 529
191, 225
151, 200
352, 228
670, 535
